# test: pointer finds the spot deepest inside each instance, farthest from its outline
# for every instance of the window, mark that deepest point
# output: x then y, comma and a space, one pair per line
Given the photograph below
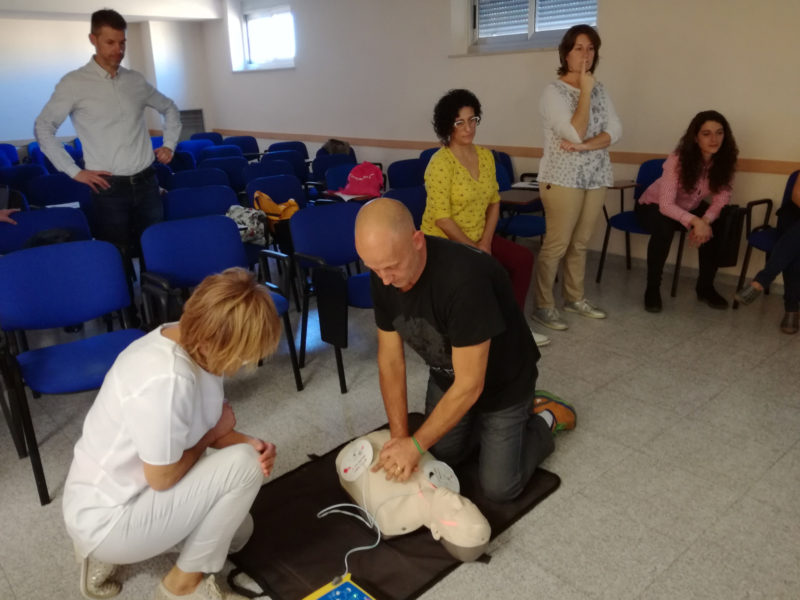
519, 24
268, 37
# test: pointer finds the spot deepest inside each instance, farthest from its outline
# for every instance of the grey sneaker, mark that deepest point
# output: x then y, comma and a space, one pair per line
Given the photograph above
585, 309
549, 317
207, 590
540, 338
96, 582
747, 294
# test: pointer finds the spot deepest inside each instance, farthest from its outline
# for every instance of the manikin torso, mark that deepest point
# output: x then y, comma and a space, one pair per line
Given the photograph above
400, 508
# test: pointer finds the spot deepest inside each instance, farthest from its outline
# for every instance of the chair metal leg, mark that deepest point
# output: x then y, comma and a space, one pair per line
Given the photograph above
11, 415
20, 405
678, 264
287, 327
304, 329
743, 274
603, 254
628, 250
340, 368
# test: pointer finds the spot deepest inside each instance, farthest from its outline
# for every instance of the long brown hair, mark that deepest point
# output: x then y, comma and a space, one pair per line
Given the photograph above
723, 163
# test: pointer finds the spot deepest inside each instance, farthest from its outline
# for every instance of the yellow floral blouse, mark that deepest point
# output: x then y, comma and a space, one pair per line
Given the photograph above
454, 193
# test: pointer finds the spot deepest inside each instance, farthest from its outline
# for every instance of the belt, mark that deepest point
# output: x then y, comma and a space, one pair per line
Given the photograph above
135, 178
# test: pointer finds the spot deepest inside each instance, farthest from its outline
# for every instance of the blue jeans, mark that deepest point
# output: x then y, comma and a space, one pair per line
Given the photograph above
122, 212
513, 441
785, 257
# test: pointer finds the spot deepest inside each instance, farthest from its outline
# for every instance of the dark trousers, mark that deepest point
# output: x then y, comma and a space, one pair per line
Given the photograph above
122, 212
662, 229
785, 257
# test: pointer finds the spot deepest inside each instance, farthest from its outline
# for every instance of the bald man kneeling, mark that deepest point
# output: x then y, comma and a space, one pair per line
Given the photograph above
454, 305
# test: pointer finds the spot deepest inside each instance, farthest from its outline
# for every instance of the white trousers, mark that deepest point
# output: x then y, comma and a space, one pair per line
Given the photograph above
205, 515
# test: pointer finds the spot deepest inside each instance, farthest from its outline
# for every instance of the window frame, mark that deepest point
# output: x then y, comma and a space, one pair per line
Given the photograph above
533, 40
257, 13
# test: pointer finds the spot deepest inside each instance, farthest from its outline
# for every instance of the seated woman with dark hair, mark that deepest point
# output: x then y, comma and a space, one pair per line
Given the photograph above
141, 482
463, 202
701, 167
784, 258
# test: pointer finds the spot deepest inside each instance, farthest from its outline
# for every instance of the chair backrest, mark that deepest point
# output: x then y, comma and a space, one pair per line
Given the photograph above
10, 152
4, 161
185, 251
336, 177
193, 147
61, 284
649, 171
502, 158
427, 153
232, 165
57, 188
31, 222
323, 162
293, 157
18, 176
199, 177
290, 145
182, 161
267, 169
247, 143
407, 173
503, 178
327, 232
414, 198
214, 136
190, 202
219, 151
278, 187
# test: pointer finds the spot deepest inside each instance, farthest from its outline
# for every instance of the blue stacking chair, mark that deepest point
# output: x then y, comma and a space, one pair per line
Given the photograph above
294, 158
198, 177
323, 152
625, 220
336, 177
233, 167
58, 188
414, 198
324, 246
297, 146
180, 254
182, 161
762, 237
427, 153
407, 173
219, 152
18, 177
320, 166
10, 152
189, 202
247, 143
51, 287
267, 169
215, 137
193, 147
71, 221
4, 161
278, 187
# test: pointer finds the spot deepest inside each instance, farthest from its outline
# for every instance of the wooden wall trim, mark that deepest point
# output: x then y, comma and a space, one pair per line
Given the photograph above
749, 165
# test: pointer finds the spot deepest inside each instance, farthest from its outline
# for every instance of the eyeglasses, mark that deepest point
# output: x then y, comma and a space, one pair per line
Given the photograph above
473, 122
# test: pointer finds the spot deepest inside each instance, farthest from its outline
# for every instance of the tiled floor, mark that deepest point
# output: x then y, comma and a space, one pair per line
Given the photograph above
681, 481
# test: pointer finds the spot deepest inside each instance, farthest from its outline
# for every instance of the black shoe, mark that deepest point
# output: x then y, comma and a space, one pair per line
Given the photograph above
711, 297
652, 300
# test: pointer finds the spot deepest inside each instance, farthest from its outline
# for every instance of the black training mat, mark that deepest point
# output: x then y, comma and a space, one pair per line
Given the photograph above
292, 552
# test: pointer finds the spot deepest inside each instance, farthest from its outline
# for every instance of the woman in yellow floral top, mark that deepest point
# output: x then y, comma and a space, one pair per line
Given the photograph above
463, 202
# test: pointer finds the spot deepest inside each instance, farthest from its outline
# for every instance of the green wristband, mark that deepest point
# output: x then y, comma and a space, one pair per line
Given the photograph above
416, 443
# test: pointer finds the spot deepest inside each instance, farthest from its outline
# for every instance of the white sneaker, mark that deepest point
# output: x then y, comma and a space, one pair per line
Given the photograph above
549, 317
585, 309
540, 338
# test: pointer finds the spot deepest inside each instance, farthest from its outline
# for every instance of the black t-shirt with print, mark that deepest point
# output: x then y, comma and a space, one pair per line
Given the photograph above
463, 297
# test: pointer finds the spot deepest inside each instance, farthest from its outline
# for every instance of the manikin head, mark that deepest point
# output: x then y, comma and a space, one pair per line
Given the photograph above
401, 508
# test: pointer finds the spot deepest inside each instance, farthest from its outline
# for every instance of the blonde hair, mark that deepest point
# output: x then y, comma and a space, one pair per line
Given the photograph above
228, 321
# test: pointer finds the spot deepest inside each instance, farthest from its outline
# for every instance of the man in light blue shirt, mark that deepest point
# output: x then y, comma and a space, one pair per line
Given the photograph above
106, 103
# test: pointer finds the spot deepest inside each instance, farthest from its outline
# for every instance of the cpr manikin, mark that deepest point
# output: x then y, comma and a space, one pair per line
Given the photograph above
428, 498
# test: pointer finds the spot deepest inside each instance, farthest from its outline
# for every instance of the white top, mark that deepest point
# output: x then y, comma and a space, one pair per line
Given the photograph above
108, 115
585, 170
155, 403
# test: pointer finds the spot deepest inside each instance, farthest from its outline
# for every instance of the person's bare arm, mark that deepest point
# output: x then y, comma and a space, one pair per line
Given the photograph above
392, 376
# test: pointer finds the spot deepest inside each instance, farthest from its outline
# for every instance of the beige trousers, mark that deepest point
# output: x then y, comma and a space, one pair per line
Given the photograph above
571, 215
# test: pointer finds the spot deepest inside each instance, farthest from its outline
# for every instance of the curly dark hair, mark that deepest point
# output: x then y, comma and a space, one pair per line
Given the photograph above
723, 163
568, 43
446, 111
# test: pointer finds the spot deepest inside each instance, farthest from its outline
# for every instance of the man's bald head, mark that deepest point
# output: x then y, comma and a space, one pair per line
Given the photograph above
388, 242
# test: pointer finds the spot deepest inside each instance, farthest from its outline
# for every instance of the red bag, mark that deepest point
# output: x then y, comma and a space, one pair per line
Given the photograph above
365, 179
